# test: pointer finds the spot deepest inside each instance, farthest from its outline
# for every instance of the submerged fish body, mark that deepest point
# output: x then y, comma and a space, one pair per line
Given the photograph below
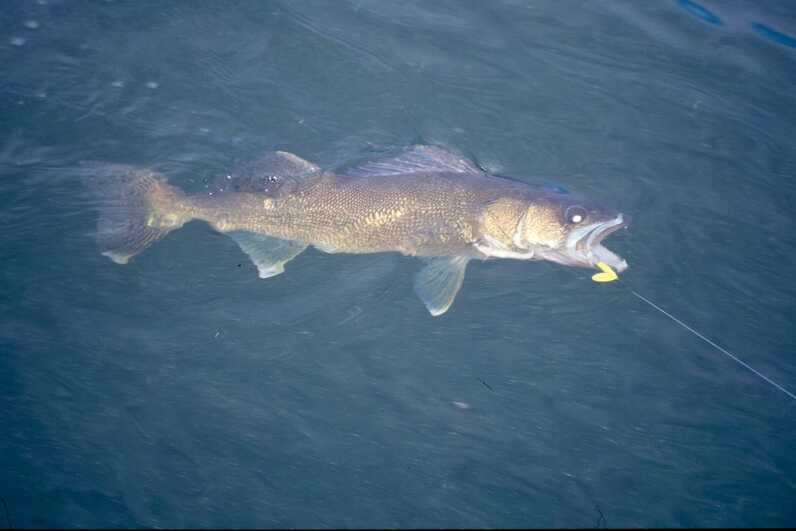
426, 202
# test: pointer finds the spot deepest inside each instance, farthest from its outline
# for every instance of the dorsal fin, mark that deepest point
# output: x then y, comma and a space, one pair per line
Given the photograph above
416, 159
286, 164
268, 174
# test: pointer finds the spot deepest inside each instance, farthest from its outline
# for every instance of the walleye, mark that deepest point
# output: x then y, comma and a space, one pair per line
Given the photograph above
425, 202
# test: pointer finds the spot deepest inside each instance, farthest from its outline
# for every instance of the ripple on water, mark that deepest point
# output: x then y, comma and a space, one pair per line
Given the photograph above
183, 365
771, 34
700, 12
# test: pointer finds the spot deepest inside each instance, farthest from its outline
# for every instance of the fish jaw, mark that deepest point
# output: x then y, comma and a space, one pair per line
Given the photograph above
583, 246
591, 247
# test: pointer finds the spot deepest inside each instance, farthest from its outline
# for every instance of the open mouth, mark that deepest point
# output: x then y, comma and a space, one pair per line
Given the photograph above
587, 243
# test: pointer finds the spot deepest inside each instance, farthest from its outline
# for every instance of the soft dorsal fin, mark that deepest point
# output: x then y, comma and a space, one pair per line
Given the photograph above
268, 174
416, 159
269, 254
287, 164
438, 282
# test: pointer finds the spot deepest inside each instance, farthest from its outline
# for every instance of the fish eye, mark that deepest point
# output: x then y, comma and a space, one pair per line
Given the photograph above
575, 214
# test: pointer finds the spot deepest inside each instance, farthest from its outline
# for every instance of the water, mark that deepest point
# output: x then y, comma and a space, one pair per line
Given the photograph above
182, 390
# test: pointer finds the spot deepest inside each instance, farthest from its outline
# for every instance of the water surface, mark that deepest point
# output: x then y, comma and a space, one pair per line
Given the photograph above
182, 390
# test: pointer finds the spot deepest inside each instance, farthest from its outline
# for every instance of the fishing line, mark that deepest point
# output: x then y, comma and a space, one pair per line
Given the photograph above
8, 516
713, 344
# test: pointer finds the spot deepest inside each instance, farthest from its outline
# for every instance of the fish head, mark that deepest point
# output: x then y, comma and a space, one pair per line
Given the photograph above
570, 230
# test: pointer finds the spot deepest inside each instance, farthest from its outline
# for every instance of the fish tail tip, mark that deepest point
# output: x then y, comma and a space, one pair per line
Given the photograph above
123, 196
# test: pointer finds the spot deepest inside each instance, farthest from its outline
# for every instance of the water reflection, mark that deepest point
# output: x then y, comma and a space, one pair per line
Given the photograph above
774, 35
700, 12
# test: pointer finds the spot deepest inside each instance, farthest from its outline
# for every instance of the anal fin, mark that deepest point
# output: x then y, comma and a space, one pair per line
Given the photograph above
439, 281
269, 254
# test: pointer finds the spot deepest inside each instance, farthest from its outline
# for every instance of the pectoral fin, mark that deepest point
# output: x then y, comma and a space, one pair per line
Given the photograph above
269, 254
439, 281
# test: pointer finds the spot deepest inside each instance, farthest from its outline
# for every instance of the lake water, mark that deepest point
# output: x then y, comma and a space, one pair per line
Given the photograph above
182, 390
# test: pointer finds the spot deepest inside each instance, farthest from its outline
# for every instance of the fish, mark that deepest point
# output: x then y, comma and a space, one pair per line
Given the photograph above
426, 202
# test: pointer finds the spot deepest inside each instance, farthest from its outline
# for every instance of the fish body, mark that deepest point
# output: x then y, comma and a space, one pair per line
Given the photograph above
426, 202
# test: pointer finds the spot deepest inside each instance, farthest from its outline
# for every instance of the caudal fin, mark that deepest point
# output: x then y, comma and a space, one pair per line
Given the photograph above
127, 200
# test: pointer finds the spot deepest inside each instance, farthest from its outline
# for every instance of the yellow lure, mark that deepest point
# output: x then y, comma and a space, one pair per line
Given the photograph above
606, 274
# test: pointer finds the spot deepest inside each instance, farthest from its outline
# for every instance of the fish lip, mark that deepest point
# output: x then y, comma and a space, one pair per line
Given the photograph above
587, 243
606, 229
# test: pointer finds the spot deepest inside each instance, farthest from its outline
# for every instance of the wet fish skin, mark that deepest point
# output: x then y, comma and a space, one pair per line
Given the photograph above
422, 214
426, 202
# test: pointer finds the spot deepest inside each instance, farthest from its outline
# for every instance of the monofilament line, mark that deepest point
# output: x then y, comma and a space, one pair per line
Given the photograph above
711, 343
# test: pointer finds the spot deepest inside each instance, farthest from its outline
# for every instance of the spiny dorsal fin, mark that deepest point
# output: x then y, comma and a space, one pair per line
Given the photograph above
274, 173
418, 159
438, 282
269, 254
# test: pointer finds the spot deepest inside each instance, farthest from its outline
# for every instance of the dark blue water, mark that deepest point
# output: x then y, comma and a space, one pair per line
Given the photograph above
182, 390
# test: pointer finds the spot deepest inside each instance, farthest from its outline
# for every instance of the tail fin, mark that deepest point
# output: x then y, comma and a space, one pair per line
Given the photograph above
129, 201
